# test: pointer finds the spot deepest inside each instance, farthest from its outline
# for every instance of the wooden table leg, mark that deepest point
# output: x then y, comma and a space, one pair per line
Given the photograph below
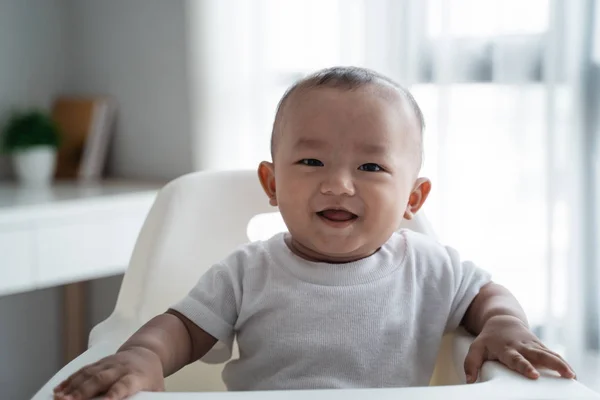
74, 320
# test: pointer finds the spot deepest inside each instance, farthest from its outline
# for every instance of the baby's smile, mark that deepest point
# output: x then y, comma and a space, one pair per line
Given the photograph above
337, 217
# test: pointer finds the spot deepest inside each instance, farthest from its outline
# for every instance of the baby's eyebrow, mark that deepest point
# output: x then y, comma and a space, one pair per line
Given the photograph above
311, 144
315, 144
372, 148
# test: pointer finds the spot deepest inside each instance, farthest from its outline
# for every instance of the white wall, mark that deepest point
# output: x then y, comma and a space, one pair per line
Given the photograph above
33, 52
136, 51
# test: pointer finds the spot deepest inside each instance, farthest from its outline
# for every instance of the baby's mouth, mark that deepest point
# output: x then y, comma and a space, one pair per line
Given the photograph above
337, 215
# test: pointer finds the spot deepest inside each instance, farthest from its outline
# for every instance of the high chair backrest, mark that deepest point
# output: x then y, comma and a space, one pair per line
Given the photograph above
196, 221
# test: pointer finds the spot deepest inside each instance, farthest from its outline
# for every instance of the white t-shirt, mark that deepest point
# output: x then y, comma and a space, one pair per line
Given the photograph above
376, 322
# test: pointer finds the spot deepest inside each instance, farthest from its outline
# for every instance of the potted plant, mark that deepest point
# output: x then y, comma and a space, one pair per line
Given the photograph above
32, 138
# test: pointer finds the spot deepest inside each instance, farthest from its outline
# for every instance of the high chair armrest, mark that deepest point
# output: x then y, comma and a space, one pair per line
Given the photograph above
105, 339
93, 354
498, 379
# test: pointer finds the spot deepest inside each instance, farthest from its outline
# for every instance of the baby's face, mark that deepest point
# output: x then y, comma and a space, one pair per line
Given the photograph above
344, 169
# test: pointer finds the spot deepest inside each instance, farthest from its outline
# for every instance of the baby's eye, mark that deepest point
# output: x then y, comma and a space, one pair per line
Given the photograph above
311, 162
370, 167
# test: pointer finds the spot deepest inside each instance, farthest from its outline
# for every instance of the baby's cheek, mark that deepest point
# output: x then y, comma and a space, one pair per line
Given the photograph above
292, 210
387, 218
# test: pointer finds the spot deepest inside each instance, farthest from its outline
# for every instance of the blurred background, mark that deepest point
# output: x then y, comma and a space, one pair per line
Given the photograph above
510, 90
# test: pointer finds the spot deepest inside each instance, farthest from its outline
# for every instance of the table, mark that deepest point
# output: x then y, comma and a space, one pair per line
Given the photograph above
67, 233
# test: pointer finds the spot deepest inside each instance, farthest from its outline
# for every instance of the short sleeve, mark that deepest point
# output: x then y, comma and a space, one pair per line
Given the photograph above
467, 280
213, 305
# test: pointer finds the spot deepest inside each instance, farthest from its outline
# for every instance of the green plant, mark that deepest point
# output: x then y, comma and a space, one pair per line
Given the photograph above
27, 129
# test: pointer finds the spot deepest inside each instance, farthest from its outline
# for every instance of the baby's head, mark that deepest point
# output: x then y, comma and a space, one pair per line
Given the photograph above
347, 150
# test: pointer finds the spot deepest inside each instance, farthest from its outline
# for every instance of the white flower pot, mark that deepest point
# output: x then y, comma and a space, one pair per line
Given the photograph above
35, 166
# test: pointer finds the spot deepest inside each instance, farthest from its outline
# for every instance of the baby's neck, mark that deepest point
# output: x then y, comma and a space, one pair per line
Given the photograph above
313, 256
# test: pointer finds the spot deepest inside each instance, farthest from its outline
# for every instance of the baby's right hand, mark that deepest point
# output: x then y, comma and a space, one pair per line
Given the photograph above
117, 377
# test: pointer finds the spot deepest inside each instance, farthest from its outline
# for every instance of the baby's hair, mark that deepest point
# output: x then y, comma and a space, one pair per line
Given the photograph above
349, 78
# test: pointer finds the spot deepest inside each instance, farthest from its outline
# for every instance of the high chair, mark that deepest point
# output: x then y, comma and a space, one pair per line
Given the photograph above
198, 219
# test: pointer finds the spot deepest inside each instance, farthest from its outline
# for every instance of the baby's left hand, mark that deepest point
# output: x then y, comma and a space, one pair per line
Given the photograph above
508, 340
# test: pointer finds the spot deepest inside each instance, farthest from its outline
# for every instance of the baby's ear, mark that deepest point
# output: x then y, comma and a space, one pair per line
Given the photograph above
417, 197
266, 175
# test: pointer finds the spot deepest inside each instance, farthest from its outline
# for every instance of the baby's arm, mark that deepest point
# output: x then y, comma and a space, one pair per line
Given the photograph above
503, 334
161, 347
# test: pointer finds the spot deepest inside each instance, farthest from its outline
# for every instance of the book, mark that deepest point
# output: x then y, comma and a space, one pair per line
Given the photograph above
86, 125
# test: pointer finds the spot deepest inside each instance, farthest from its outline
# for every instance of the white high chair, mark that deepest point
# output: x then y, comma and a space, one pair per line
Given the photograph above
198, 219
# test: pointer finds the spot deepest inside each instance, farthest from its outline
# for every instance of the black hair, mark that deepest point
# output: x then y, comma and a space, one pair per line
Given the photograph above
345, 78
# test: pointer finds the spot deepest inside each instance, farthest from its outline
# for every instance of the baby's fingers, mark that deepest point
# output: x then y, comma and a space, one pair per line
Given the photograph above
66, 388
515, 361
62, 385
543, 358
124, 388
474, 360
97, 384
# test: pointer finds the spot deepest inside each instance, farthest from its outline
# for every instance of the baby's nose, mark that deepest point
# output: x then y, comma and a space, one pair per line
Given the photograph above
338, 184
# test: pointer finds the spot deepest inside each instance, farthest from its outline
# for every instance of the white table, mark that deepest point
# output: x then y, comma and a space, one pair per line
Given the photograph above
69, 232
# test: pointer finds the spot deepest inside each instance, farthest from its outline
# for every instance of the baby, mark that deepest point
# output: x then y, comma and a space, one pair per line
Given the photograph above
342, 300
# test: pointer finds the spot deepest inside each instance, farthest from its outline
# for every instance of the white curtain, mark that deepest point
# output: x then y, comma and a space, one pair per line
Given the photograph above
501, 84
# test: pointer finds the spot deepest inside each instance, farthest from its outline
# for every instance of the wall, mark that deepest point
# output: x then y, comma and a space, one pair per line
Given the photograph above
33, 52
32, 70
135, 50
